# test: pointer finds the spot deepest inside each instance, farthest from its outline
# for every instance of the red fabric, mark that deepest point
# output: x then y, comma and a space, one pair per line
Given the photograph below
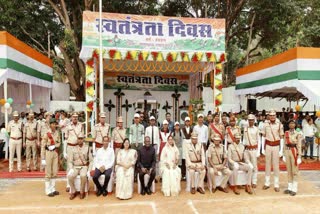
293, 150
216, 131
231, 134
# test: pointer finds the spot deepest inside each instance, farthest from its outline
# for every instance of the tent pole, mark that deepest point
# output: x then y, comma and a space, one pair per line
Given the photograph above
5, 90
100, 59
214, 87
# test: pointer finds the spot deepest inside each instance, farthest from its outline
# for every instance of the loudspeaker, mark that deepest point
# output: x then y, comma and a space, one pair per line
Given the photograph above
251, 105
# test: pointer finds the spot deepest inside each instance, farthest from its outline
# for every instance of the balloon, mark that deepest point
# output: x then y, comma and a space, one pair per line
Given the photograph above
298, 108
2, 102
298, 129
317, 134
10, 100
3, 131
29, 102
27, 106
317, 113
7, 105
31, 105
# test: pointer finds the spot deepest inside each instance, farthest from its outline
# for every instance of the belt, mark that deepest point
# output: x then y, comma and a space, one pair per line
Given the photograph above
55, 150
195, 161
70, 144
291, 145
31, 139
273, 143
98, 145
255, 147
14, 138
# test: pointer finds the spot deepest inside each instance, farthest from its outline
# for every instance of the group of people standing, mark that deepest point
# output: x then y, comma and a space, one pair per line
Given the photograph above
172, 152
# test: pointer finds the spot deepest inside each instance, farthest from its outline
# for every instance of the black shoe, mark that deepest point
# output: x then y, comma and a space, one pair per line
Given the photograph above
51, 194
148, 191
293, 193
98, 193
143, 192
104, 193
56, 193
287, 191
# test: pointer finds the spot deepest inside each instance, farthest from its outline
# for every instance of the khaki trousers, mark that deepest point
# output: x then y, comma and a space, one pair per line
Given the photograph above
252, 154
31, 149
226, 175
292, 169
243, 167
83, 178
15, 147
272, 157
201, 177
51, 168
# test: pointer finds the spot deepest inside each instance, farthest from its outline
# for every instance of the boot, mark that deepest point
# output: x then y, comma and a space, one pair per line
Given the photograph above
53, 187
235, 190
266, 183
248, 189
288, 191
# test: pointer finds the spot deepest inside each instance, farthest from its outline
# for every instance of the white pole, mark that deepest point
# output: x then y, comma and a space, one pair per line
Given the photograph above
5, 90
214, 87
30, 92
100, 59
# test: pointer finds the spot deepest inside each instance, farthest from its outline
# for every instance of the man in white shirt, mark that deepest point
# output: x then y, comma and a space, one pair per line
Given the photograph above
202, 131
309, 130
103, 165
152, 131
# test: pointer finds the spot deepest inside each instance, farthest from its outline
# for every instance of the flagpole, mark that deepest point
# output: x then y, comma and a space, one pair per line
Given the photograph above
100, 59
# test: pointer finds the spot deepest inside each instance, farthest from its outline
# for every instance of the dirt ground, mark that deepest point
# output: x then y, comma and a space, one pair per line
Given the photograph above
27, 196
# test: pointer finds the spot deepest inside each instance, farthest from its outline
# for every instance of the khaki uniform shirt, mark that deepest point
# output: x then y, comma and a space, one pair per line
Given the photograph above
234, 130
118, 135
80, 156
15, 129
47, 142
251, 136
72, 132
30, 131
195, 155
272, 131
100, 131
236, 154
43, 128
216, 154
219, 127
295, 138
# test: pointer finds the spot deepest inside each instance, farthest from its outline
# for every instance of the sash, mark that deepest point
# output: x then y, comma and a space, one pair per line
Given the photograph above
240, 159
52, 142
81, 156
119, 134
248, 136
231, 134
195, 153
293, 150
220, 162
274, 139
216, 131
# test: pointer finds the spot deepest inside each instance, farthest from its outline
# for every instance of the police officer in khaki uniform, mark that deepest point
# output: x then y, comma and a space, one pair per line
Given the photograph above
101, 130
29, 139
80, 160
239, 160
216, 127
217, 160
51, 142
42, 129
15, 128
195, 162
74, 130
251, 141
231, 131
272, 147
292, 157
118, 135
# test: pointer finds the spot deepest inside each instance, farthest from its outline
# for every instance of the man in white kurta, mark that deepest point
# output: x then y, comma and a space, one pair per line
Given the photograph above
103, 165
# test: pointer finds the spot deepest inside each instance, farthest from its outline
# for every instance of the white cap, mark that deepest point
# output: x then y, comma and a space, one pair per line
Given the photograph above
136, 115
251, 117
200, 115
152, 118
176, 123
165, 122
187, 119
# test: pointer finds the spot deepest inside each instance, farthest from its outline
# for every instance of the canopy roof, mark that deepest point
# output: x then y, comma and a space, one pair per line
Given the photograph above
154, 38
20, 62
294, 74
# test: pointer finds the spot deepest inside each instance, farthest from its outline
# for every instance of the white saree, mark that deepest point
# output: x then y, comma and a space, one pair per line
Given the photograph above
170, 177
125, 177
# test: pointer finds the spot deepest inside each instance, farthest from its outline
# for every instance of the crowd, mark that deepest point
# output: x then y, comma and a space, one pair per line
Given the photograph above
216, 148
